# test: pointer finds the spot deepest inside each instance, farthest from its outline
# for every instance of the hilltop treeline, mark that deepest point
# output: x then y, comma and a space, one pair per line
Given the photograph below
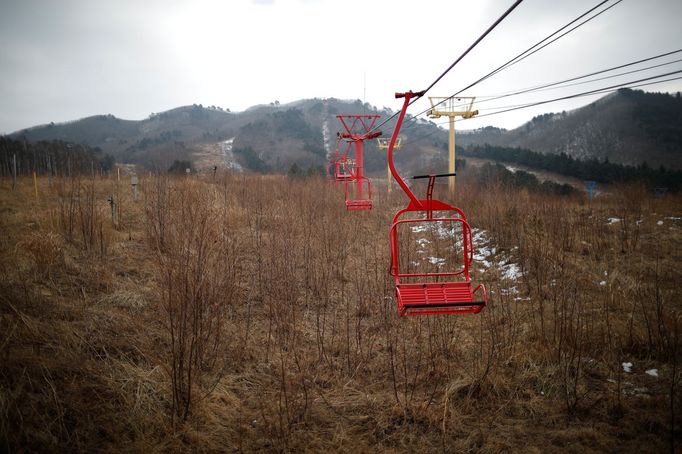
51, 157
593, 169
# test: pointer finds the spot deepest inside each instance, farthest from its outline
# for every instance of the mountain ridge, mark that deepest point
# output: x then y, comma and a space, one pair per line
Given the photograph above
627, 127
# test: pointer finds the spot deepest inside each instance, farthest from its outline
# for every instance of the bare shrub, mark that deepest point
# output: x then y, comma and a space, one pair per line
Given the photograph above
196, 274
45, 248
82, 214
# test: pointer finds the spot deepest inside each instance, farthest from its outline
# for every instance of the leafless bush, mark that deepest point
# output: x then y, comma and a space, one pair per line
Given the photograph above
81, 214
197, 275
46, 250
268, 289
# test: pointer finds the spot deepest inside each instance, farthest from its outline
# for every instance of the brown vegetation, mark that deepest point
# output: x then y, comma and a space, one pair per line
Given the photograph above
248, 313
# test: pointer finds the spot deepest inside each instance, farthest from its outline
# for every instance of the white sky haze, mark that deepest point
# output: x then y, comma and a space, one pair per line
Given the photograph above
63, 60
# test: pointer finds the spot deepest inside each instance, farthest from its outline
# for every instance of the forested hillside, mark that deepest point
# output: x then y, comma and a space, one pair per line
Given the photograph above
628, 127
633, 128
592, 169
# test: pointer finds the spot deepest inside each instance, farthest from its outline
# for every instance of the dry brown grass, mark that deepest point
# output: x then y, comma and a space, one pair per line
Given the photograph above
312, 355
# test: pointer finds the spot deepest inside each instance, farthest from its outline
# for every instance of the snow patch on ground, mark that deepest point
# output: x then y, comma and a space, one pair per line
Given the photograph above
488, 257
614, 220
627, 367
511, 272
444, 231
510, 291
652, 372
436, 261
480, 236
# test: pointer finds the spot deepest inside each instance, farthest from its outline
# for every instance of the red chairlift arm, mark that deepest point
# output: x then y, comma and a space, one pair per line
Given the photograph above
394, 137
429, 190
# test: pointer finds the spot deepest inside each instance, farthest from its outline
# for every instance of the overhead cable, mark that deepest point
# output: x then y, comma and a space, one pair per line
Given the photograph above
535, 47
480, 38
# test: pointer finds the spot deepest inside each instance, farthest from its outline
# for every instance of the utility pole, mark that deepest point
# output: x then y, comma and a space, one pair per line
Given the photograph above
451, 107
382, 143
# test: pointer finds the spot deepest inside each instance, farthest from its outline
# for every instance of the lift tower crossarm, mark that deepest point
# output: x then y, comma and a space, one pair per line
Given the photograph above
366, 136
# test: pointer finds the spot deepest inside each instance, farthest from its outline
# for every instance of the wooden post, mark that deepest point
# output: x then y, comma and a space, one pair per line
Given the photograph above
49, 172
117, 196
35, 184
114, 210
133, 183
14, 171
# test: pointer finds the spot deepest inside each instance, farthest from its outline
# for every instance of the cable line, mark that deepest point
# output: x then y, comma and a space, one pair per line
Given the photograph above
553, 85
480, 38
555, 39
530, 51
587, 93
602, 90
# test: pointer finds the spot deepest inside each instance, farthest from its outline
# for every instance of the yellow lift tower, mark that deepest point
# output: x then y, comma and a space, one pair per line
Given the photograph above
451, 107
382, 143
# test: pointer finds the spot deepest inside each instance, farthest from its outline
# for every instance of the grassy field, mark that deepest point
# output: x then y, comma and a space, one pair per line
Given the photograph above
252, 313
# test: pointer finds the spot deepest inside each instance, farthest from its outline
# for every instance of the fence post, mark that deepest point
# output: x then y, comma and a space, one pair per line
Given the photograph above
14, 171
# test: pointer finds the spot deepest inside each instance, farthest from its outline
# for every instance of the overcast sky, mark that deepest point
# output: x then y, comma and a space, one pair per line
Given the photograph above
61, 60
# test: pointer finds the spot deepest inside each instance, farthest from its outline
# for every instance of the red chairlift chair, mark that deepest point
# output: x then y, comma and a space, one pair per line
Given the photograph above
358, 201
426, 296
342, 165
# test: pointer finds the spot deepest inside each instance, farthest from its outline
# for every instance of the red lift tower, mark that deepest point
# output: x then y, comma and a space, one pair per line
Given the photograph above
358, 128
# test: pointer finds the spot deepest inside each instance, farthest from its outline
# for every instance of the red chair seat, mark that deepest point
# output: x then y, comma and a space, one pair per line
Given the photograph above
437, 298
358, 204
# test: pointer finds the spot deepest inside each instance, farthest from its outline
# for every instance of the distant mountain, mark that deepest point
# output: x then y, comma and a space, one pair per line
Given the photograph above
627, 127
269, 137
131, 141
